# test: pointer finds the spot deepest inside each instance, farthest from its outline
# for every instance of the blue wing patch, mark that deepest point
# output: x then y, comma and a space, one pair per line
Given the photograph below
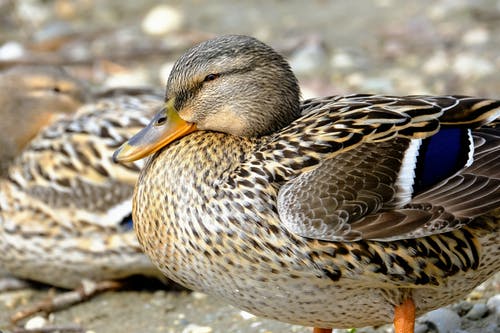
126, 224
441, 156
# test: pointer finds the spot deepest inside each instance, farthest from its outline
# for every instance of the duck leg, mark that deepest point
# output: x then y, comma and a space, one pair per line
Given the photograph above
404, 317
322, 330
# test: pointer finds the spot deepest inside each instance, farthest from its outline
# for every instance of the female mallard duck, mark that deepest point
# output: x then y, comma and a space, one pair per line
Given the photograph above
342, 211
65, 206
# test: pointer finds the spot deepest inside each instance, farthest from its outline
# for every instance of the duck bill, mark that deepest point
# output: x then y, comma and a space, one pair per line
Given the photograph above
165, 127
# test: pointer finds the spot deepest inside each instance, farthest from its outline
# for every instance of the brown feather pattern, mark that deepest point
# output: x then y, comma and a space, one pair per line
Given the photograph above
63, 200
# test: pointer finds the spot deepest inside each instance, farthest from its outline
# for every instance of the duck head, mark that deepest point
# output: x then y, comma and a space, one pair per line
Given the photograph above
232, 84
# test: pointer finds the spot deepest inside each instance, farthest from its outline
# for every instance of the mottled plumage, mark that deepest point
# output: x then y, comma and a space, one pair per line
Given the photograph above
330, 220
65, 206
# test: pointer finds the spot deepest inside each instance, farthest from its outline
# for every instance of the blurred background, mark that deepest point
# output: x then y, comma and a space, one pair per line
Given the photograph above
335, 47
380, 46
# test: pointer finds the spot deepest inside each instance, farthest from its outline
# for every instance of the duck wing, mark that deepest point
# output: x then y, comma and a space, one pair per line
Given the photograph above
66, 175
387, 168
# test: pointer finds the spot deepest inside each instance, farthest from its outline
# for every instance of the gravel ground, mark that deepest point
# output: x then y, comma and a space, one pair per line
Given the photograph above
378, 46
191, 312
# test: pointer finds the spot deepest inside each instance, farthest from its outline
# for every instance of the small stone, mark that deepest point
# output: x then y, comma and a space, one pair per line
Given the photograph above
198, 295
192, 328
341, 60
462, 308
35, 323
472, 66
33, 12
478, 311
493, 304
256, 324
355, 79
160, 293
11, 50
246, 315
437, 63
476, 36
161, 20
443, 320
66, 9
88, 286
475, 295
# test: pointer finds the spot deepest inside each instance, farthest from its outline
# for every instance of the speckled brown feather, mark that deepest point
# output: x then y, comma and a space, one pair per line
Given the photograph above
64, 203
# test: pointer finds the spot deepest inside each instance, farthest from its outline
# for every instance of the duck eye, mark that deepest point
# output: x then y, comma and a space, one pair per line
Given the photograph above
161, 121
210, 77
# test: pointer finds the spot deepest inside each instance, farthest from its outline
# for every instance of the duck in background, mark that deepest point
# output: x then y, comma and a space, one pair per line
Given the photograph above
343, 211
65, 207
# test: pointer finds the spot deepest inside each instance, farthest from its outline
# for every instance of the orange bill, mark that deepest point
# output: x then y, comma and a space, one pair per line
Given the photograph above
165, 127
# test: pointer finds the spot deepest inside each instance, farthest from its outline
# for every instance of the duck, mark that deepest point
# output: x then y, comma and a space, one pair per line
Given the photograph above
45, 94
333, 212
65, 207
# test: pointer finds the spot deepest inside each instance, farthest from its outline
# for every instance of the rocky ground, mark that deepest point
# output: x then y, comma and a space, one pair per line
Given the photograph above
377, 46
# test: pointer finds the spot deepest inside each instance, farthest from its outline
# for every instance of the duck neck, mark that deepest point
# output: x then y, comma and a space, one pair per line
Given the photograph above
184, 177
193, 166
